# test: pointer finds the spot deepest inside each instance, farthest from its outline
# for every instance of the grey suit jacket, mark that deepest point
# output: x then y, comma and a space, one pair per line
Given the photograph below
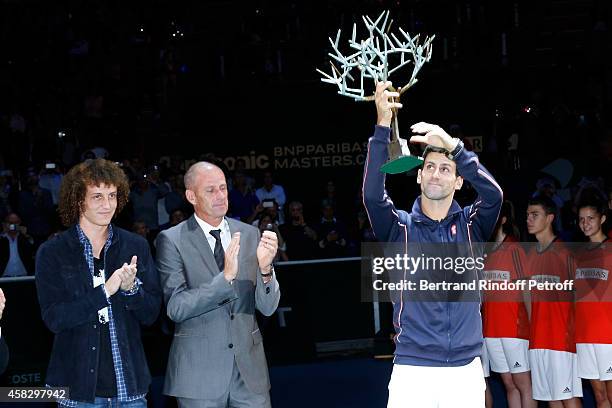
215, 321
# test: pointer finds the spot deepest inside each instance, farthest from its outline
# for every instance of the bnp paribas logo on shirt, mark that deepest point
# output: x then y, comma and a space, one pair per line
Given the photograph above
496, 275
546, 278
592, 273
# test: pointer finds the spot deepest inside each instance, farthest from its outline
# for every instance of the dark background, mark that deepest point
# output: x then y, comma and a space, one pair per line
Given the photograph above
187, 79
159, 94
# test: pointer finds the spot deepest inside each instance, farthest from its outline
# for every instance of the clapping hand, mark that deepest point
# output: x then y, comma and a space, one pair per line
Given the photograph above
230, 270
266, 250
129, 274
122, 278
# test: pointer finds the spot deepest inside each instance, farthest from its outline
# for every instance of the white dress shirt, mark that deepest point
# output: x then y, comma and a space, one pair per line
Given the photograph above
226, 235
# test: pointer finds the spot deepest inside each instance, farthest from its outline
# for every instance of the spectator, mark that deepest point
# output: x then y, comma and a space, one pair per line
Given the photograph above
589, 190
332, 234
88, 155
545, 187
301, 240
175, 199
242, 200
241, 167
95, 152
266, 222
273, 191
140, 228
175, 166
99, 152
163, 217
176, 218
267, 207
51, 179
144, 198
330, 195
16, 248
360, 231
36, 209
133, 168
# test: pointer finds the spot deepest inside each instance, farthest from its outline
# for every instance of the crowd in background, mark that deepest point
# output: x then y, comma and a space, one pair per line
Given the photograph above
330, 225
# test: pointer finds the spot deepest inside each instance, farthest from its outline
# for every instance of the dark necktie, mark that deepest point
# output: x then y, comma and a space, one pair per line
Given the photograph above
218, 252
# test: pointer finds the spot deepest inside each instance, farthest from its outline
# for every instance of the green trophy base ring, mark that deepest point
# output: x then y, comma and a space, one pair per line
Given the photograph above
401, 164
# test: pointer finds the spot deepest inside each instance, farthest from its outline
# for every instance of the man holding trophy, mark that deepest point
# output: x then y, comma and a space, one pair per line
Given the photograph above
438, 343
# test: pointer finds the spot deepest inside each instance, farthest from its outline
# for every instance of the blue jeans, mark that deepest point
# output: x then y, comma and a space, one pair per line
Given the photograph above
100, 402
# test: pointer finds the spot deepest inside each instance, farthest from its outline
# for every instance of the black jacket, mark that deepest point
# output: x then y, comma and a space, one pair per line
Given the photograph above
432, 333
69, 305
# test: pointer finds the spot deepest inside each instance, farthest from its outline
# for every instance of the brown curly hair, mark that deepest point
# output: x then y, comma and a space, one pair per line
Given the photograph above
90, 173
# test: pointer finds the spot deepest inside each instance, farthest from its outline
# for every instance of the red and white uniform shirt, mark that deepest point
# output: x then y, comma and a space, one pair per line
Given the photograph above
594, 294
504, 312
552, 311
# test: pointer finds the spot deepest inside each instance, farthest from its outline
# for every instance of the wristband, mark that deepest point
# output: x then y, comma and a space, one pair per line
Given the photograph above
456, 150
267, 275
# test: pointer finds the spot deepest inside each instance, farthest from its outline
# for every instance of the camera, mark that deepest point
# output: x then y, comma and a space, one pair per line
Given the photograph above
267, 203
269, 227
50, 166
61, 134
12, 227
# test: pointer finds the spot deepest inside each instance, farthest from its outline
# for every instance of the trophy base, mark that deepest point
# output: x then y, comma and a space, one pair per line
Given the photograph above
401, 164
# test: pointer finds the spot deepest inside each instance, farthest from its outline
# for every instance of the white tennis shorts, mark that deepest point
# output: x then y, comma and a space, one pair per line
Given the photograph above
554, 375
416, 386
508, 355
594, 361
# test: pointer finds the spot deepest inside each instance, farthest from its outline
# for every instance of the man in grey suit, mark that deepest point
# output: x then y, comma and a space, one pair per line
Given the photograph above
215, 271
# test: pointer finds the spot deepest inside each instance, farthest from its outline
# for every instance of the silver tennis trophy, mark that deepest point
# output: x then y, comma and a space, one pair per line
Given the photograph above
371, 61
